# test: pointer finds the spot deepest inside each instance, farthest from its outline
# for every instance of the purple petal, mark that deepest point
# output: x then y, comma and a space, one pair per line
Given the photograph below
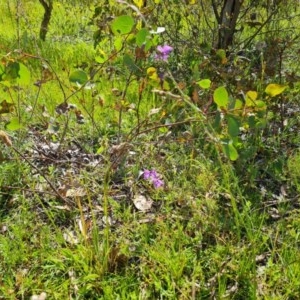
161, 56
160, 49
153, 174
147, 174
158, 183
165, 50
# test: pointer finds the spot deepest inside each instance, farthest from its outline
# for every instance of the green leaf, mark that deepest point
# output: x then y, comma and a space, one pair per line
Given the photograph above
13, 124
221, 54
221, 97
251, 96
129, 62
217, 122
118, 43
101, 57
261, 123
17, 72
141, 37
78, 77
260, 105
204, 83
233, 126
2, 71
238, 105
230, 150
251, 121
24, 75
122, 25
12, 71
274, 89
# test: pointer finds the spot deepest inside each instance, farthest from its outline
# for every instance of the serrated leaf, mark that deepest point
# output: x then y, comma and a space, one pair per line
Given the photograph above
204, 83
221, 97
78, 77
122, 25
274, 89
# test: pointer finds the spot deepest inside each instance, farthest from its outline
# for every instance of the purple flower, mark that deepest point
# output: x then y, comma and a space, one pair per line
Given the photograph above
147, 174
157, 183
154, 178
163, 52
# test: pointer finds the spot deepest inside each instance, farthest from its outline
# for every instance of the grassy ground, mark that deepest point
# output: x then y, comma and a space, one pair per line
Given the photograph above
78, 220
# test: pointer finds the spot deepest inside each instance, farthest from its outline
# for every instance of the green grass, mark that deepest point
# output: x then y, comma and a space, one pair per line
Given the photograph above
69, 225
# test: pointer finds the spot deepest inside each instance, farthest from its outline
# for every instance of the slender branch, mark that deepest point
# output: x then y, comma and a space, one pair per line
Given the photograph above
260, 28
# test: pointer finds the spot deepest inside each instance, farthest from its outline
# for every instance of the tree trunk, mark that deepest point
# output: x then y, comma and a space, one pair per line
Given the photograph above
46, 19
226, 21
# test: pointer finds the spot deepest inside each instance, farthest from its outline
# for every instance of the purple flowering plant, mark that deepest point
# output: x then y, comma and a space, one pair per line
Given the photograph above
153, 177
163, 52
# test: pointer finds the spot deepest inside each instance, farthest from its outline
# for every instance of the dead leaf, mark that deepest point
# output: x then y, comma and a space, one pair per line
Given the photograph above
6, 107
62, 108
154, 111
142, 203
79, 116
76, 192
41, 296
140, 52
47, 75
62, 207
70, 237
5, 138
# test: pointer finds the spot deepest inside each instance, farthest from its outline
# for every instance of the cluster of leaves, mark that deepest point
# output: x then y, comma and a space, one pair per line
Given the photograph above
140, 57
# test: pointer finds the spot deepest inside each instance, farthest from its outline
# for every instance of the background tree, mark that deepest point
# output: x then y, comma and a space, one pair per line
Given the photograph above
48, 6
226, 20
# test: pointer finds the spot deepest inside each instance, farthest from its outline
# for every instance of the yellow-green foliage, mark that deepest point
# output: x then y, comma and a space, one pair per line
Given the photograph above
294, 169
